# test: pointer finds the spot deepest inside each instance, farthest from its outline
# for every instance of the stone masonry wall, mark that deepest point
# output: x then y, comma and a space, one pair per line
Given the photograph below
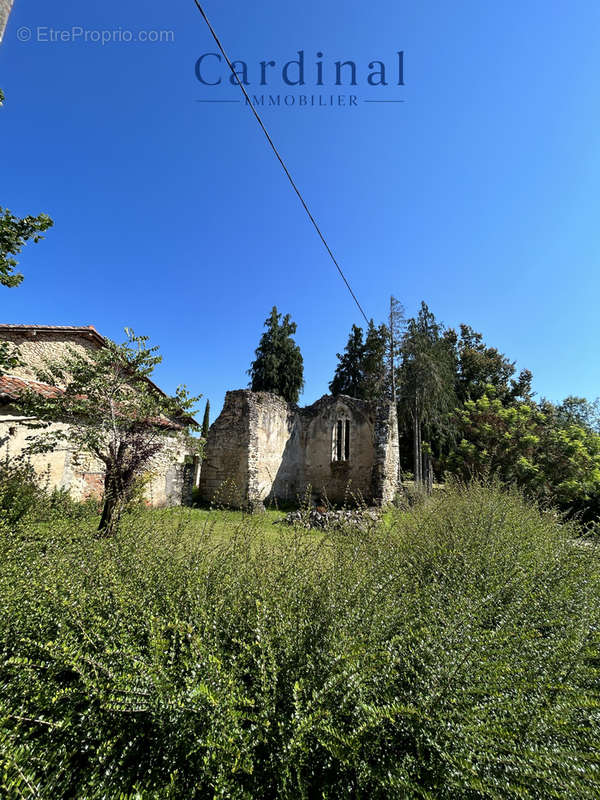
262, 449
33, 350
387, 453
339, 481
276, 458
83, 476
224, 477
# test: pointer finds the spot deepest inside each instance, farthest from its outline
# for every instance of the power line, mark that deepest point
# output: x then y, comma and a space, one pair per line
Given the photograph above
279, 158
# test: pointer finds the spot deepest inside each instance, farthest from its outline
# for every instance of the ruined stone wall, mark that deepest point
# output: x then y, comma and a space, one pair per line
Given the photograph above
338, 481
387, 453
224, 477
262, 449
275, 456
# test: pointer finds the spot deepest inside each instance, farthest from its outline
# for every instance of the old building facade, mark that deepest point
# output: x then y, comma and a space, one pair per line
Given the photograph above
263, 449
171, 474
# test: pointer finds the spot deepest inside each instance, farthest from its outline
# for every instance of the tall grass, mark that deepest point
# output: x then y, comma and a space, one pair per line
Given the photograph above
450, 654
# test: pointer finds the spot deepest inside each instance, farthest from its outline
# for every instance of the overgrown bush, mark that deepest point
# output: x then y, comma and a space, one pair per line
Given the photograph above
20, 491
451, 654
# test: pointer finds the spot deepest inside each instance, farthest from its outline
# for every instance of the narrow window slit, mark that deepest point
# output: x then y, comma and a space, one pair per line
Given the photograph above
347, 441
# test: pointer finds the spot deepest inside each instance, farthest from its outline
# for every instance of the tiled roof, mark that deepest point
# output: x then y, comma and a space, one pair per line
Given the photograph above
87, 330
11, 388
8, 391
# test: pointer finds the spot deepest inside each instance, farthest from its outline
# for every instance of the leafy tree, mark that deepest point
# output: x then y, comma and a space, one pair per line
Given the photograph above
532, 446
14, 233
9, 358
278, 366
579, 411
479, 366
114, 413
427, 377
495, 439
206, 420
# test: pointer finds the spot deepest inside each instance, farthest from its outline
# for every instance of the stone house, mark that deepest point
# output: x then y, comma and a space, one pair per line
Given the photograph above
262, 449
171, 474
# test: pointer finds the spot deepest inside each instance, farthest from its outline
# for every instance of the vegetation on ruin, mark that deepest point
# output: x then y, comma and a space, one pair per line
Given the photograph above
451, 652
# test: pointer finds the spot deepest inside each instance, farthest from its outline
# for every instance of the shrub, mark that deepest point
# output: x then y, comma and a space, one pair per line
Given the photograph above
452, 654
20, 490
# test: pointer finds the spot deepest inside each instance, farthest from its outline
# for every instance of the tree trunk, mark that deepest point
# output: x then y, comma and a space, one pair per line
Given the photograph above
417, 448
429, 473
111, 511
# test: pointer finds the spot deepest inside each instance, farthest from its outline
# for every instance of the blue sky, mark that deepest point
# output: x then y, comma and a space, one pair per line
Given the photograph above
479, 193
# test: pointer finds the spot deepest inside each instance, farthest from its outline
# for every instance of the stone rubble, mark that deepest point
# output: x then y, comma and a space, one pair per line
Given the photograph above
323, 519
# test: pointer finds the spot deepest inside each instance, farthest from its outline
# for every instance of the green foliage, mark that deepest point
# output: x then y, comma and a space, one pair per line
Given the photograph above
14, 233
542, 451
362, 371
452, 653
479, 366
428, 369
20, 492
9, 358
348, 374
278, 366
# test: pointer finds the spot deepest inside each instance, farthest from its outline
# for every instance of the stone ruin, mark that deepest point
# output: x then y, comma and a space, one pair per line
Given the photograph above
263, 450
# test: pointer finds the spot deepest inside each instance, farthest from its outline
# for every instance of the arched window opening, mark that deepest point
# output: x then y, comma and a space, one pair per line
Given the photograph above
340, 450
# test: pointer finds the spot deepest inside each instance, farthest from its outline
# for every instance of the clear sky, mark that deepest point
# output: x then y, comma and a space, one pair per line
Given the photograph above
478, 194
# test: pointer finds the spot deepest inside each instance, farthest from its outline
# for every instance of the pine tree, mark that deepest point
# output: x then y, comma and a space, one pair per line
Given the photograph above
375, 374
427, 385
395, 330
278, 366
206, 420
361, 371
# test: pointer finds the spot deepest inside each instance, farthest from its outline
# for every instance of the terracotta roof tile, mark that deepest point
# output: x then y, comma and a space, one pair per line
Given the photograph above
11, 388
87, 330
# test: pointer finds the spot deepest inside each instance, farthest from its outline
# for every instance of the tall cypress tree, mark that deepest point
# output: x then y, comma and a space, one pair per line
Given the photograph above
206, 420
278, 366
